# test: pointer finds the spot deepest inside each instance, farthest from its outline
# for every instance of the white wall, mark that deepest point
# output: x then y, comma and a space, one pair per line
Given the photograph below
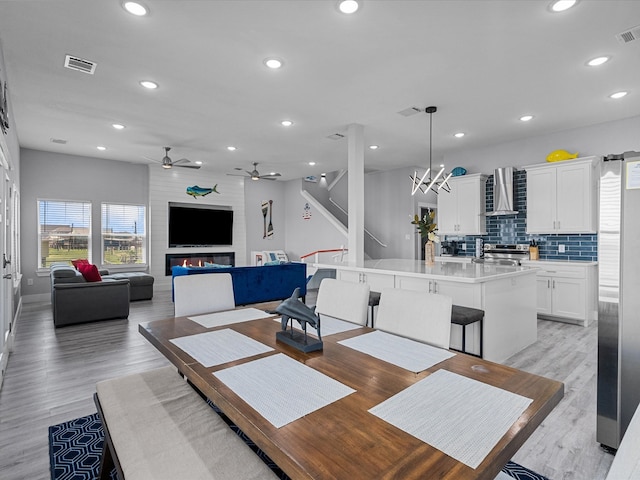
170, 185
306, 235
602, 139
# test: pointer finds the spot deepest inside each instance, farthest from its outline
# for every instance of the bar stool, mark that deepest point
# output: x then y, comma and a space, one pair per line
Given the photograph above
464, 316
374, 301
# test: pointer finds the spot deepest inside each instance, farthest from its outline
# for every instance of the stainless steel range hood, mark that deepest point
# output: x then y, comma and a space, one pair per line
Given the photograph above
502, 192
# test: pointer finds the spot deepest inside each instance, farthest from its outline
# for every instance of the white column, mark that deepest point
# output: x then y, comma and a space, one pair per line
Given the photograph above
355, 163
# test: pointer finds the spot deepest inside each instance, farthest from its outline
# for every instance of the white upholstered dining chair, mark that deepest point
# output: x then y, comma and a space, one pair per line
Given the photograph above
343, 300
203, 293
421, 316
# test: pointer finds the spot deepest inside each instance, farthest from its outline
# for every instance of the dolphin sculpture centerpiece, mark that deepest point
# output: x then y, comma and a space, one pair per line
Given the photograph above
293, 308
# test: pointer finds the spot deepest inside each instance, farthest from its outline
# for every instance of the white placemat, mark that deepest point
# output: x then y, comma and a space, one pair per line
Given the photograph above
226, 318
403, 352
328, 326
282, 389
457, 415
220, 346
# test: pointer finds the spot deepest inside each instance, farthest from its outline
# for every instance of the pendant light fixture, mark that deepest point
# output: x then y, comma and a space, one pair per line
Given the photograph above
440, 181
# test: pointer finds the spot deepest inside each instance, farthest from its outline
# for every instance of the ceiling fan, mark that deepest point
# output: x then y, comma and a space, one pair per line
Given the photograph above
168, 163
255, 175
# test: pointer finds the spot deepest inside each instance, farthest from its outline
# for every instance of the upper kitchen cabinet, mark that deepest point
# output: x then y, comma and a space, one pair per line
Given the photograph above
461, 211
561, 197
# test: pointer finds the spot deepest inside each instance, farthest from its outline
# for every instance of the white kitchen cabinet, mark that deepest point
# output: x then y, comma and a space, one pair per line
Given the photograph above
464, 294
561, 196
461, 211
566, 292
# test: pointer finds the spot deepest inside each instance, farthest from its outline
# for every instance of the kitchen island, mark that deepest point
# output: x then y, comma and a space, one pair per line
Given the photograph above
506, 294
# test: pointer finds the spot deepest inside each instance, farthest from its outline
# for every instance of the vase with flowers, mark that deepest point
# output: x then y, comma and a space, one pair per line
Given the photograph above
427, 227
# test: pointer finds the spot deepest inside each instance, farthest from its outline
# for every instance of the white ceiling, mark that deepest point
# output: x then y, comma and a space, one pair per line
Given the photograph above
482, 63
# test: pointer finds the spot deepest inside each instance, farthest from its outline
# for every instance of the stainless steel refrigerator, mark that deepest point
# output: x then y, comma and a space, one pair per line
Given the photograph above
619, 296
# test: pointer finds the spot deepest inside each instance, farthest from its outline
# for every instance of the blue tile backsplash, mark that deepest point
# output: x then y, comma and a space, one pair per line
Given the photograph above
512, 229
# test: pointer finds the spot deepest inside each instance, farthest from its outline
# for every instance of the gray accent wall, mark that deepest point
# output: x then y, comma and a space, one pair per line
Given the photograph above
53, 176
255, 192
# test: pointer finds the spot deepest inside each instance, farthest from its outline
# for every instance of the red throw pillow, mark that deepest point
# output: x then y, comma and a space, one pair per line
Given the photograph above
79, 261
89, 272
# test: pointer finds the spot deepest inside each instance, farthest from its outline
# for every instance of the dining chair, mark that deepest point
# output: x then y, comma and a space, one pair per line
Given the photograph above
421, 316
203, 293
343, 300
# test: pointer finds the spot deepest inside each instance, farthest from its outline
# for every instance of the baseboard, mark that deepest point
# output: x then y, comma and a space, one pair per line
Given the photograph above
12, 334
37, 298
8, 346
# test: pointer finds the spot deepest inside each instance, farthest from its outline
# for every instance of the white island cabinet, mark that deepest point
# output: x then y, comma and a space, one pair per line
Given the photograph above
506, 294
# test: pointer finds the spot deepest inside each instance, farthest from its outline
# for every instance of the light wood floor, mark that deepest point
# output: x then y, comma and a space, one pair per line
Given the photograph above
52, 373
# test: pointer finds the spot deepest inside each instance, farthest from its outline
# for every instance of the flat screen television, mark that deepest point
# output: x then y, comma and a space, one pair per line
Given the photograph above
199, 225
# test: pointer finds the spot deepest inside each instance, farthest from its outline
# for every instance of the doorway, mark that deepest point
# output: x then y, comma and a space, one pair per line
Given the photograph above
6, 282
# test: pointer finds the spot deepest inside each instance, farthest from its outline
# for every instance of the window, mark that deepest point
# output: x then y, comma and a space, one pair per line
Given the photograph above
123, 234
64, 231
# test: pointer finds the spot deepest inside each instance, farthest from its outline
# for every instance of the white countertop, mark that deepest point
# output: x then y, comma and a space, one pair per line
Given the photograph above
442, 270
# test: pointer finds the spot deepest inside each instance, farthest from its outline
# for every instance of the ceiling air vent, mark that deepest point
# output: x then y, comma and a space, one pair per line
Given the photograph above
80, 64
407, 112
335, 136
58, 140
629, 35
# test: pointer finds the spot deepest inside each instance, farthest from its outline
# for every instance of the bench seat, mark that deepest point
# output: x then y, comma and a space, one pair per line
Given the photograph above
160, 428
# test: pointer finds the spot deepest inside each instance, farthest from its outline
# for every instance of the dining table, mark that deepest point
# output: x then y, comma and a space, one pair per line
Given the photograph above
351, 410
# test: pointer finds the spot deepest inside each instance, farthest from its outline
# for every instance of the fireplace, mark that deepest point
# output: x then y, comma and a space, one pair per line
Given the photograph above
198, 259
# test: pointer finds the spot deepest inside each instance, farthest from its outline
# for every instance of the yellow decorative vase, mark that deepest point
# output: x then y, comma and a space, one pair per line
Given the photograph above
429, 253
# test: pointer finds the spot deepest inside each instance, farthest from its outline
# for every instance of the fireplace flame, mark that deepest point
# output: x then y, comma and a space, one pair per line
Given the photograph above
184, 264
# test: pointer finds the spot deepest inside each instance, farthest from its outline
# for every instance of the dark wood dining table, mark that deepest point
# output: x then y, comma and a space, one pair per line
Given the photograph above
343, 440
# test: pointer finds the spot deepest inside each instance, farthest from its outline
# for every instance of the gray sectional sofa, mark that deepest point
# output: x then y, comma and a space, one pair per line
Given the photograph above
74, 300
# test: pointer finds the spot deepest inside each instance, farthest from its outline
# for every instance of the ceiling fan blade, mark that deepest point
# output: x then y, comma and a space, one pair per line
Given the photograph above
271, 175
152, 159
186, 166
182, 160
265, 178
236, 175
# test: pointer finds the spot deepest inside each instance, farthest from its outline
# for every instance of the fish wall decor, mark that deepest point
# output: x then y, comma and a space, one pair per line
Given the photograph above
197, 191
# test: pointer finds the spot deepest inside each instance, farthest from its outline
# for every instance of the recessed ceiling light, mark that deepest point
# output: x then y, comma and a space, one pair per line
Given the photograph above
286, 123
117, 126
526, 118
459, 134
101, 148
149, 84
231, 148
273, 63
562, 5
618, 95
348, 6
312, 163
135, 8
374, 147
595, 62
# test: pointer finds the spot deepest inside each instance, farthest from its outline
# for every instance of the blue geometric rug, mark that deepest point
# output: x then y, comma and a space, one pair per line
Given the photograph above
75, 448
